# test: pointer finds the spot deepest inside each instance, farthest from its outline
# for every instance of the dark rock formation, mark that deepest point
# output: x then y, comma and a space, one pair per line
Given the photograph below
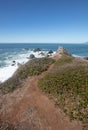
37, 49
86, 58
26, 48
32, 56
50, 52
14, 61
12, 64
41, 54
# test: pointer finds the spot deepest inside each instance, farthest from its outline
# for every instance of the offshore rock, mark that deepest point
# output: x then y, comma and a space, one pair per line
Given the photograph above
37, 50
32, 56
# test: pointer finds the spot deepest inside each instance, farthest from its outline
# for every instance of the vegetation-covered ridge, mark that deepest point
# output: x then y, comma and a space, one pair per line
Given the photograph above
31, 68
67, 82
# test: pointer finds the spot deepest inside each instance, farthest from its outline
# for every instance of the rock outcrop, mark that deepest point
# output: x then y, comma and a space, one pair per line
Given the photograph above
50, 52
42, 53
86, 58
37, 50
61, 52
32, 56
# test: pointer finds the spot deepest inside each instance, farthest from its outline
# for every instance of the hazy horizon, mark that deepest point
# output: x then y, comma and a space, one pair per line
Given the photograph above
38, 43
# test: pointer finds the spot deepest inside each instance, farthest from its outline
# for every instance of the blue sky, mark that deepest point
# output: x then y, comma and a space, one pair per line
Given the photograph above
44, 21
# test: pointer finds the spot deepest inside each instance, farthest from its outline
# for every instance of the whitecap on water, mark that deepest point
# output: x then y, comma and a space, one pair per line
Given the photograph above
8, 70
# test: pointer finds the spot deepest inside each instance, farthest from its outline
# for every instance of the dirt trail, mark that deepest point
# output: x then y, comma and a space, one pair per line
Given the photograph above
30, 109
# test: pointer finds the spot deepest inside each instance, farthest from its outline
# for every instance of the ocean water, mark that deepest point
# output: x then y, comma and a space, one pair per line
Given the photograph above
18, 53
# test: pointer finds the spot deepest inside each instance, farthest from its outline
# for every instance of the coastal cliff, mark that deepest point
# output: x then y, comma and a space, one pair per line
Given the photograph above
46, 93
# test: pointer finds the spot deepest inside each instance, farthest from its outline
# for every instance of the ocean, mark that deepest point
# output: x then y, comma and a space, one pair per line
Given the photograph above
19, 53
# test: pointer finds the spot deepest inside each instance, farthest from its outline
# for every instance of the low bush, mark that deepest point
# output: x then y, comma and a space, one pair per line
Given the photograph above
68, 83
33, 67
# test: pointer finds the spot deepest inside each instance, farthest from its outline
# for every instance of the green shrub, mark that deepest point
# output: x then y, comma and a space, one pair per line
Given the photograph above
33, 67
64, 60
68, 83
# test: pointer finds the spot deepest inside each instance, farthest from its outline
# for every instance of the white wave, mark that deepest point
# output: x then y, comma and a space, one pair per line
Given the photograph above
76, 55
8, 71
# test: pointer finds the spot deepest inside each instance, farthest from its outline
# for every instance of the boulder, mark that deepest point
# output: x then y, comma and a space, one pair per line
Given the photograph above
32, 56
13, 65
50, 52
26, 48
42, 53
86, 58
37, 50
14, 61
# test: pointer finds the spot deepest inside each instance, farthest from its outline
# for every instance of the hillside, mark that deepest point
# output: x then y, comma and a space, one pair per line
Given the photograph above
46, 94
67, 82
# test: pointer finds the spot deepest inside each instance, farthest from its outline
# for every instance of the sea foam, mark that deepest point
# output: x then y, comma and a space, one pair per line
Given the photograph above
76, 55
7, 71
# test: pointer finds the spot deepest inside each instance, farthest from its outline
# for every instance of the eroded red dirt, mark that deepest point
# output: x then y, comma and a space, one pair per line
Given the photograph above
27, 108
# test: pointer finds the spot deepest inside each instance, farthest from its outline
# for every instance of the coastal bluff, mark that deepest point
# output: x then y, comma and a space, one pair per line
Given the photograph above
45, 95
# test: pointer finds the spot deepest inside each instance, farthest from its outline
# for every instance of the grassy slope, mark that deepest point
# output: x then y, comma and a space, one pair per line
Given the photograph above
68, 83
33, 67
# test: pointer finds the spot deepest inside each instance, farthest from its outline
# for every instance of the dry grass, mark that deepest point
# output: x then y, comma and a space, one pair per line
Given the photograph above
68, 83
33, 67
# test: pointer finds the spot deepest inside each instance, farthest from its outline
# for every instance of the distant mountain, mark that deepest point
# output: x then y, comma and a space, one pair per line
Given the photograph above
86, 42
